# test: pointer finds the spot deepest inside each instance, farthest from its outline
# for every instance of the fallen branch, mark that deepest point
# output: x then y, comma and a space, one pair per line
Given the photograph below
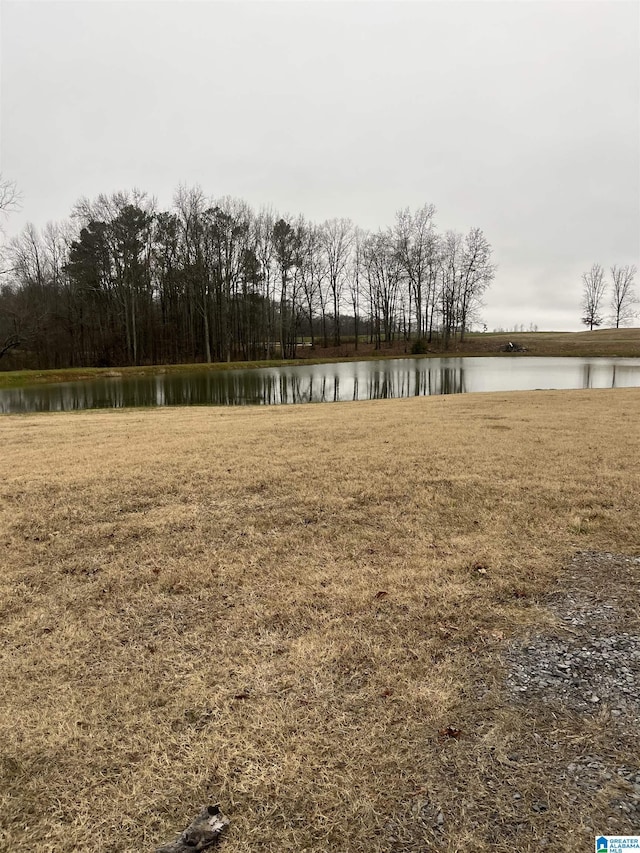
10, 343
203, 831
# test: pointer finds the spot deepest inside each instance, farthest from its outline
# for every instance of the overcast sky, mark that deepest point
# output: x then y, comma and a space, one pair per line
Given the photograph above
521, 118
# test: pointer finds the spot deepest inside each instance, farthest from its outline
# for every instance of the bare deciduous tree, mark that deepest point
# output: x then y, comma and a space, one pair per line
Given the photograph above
592, 296
623, 297
21, 319
451, 260
383, 274
264, 248
355, 277
476, 274
313, 273
337, 237
9, 201
415, 240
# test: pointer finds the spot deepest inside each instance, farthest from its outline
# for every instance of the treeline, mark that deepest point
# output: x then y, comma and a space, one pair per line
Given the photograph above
123, 283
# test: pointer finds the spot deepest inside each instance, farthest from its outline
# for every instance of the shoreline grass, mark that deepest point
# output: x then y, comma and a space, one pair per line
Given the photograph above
282, 609
624, 343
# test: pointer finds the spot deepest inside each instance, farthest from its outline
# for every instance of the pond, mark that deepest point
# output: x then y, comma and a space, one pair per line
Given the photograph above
321, 383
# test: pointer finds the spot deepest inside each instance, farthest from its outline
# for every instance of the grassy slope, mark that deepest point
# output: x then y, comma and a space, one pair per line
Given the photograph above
281, 609
604, 342
600, 342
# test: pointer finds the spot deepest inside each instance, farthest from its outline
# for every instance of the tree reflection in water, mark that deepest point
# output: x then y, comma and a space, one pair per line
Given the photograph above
364, 380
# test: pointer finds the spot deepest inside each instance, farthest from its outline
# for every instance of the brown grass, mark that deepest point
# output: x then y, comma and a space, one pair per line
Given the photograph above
282, 608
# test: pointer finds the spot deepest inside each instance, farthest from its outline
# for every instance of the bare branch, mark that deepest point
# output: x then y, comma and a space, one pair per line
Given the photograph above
9, 195
10, 343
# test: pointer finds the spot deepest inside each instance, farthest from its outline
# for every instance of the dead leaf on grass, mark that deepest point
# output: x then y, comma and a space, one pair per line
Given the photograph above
449, 731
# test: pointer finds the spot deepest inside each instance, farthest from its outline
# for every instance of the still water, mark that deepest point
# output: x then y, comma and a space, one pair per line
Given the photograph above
322, 383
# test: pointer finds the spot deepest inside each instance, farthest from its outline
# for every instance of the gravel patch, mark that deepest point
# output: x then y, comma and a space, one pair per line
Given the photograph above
586, 671
592, 660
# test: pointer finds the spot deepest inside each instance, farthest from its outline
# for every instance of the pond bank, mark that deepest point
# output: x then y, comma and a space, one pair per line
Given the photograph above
612, 343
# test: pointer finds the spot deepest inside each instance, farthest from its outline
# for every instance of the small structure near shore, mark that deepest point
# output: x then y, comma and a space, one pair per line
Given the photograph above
511, 347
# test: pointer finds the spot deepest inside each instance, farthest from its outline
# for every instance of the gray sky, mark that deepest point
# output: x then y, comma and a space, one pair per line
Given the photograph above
521, 118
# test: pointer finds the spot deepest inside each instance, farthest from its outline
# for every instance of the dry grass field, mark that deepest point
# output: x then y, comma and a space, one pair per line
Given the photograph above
298, 612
